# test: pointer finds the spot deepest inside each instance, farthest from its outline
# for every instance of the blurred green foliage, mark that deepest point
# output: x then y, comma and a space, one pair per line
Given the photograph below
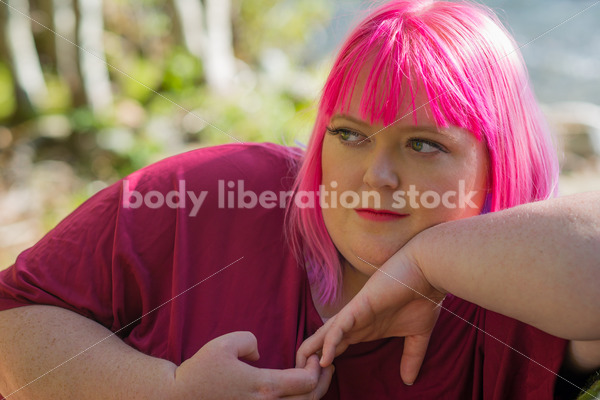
59, 97
144, 78
7, 99
182, 72
274, 23
162, 104
592, 392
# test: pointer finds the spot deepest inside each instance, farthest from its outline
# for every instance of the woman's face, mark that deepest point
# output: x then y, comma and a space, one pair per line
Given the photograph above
421, 175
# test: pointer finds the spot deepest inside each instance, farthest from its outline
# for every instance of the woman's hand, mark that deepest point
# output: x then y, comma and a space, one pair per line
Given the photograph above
216, 372
396, 301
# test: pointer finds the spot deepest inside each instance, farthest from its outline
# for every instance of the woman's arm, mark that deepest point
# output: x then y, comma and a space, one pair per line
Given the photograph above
44, 342
52, 353
538, 263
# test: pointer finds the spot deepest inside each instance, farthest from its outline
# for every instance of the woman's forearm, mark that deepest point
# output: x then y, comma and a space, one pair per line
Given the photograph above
45, 342
538, 263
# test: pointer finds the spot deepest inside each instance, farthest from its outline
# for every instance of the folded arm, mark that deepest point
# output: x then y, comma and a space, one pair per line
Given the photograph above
538, 263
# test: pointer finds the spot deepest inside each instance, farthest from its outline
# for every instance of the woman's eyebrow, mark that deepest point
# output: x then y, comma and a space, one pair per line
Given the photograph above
350, 118
410, 128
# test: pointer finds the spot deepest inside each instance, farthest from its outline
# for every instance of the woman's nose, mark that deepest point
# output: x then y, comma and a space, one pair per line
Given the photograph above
381, 171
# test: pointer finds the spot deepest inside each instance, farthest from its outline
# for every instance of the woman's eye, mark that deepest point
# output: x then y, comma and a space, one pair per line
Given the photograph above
347, 136
424, 146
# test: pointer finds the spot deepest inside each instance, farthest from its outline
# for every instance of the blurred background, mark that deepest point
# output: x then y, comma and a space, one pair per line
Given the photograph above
91, 90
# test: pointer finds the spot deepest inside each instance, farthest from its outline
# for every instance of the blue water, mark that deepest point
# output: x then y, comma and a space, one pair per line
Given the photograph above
564, 63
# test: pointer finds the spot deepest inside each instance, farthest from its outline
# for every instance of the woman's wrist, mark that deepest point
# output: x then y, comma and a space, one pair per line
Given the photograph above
419, 254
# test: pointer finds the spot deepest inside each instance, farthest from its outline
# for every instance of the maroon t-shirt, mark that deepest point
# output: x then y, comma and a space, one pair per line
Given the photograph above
171, 275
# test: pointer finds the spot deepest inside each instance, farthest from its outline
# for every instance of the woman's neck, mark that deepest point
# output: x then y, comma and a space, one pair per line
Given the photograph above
352, 281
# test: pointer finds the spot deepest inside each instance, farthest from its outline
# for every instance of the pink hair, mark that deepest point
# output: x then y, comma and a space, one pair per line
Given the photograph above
474, 78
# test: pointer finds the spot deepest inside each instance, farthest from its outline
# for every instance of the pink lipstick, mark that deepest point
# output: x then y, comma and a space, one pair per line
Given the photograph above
379, 215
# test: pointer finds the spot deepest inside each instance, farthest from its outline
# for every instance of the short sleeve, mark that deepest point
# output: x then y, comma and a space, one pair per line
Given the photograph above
70, 267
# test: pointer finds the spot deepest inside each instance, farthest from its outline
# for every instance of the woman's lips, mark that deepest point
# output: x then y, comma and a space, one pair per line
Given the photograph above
379, 215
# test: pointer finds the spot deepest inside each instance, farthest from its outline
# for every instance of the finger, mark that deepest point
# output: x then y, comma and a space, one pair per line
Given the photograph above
241, 345
312, 365
321, 388
330, 346
413, 354
295, 381
334, 344
310, 346
324, 381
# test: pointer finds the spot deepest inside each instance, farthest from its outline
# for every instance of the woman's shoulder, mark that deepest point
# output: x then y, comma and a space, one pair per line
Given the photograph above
255, 154
253, 161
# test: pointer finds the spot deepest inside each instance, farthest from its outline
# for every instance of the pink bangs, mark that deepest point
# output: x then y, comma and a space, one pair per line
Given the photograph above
397, 67
473, 76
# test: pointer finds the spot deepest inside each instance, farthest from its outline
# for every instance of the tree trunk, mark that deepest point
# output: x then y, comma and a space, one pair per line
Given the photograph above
65, 21
42, 11
96, 81
218, 58
32, 90
4, 52
208, 34
191, 22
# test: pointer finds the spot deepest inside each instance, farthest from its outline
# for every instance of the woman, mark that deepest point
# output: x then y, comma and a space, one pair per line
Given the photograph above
426, 103
464, 71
